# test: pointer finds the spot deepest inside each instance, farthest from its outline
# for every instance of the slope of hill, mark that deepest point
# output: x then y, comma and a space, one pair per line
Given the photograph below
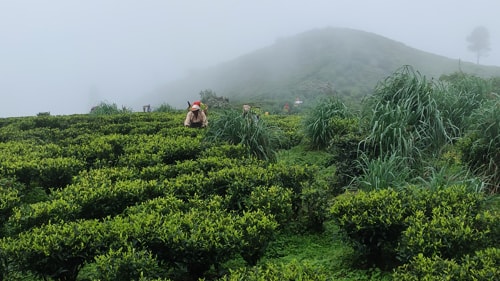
349, 62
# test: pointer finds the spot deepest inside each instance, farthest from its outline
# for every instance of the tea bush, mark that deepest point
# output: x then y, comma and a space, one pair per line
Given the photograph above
483, 265
387, 227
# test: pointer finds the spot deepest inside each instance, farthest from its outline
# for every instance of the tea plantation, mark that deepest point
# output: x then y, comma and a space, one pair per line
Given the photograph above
321, 194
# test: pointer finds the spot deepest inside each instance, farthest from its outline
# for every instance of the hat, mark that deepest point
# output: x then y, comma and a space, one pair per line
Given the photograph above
197, 102
195, 107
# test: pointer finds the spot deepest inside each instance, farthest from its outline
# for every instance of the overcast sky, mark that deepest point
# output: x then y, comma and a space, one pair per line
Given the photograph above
64, 56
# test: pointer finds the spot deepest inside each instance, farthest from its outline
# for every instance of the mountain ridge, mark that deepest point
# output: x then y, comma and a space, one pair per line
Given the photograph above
342, 60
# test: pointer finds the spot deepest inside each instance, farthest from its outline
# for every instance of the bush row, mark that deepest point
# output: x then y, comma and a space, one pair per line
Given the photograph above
187, 238
389, 227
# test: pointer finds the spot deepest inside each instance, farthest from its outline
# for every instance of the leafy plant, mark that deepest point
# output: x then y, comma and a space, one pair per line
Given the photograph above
481, 146
260, 138
126, 264
319, 123
403, 117
483, 265
390, 171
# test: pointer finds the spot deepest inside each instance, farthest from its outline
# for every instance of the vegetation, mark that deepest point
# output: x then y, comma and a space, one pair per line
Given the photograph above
405, 189
248, 129
105, 108
322, 62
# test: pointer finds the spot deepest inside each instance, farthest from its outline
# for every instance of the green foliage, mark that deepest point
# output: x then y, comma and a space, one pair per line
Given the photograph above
95, 194
211, 99
320, 123
98, 151
157, 149
344, 146
253, 132
294, 270
37, 165
198, 237
105, 108
386, 224
273, 201
481, 146
448, 233
403, 117
55, 250
257, 229
126, 264
373, 222
10, 197
389, 171
290, 125
459, 97
313, 209
483, 265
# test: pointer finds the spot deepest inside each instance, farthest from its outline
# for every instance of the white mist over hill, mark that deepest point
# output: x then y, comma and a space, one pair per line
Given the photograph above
63, 57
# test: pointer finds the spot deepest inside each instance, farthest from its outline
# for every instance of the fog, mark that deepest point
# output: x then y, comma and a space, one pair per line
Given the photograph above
63, 56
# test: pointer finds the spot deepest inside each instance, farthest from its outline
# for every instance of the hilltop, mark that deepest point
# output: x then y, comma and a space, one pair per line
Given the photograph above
345, 61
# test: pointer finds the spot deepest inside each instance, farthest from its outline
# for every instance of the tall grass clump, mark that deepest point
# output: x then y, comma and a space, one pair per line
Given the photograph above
402, 117
458, 96
233, 127
389, 171
481, 146
319, 126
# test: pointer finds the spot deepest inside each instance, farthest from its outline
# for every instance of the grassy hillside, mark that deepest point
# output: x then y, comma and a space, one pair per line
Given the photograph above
322, 61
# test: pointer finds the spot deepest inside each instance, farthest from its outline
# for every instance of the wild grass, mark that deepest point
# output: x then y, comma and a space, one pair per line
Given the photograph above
458, 97
250, 130
389, 171
327, 252
483, 151
317, 124
403, 117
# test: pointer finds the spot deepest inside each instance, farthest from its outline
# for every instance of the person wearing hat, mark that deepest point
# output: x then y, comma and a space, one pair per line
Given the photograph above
196, 118
203, 106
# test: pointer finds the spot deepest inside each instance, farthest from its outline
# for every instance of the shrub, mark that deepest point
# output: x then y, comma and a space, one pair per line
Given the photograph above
57, 251
344, 146
372, 222
274, 201
447, 233
481, 146
313, 210
258, 230
482, 266
387, 225
126, 264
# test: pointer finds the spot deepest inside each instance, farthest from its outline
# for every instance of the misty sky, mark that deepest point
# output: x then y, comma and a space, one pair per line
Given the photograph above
64, 56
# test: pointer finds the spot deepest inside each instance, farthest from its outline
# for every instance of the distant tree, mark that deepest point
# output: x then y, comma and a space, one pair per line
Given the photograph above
210, 98
479, 42
105, 108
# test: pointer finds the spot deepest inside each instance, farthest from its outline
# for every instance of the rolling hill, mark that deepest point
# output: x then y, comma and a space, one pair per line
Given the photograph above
346, 61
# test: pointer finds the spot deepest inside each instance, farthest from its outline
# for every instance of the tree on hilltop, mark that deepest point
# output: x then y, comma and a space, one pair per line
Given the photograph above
479, 42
